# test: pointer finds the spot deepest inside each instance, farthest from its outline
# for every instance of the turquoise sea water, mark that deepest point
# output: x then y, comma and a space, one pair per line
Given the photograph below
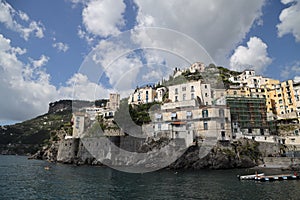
28, 179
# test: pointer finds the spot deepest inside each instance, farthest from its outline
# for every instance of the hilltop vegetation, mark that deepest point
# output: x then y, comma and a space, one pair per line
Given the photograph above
217, 76
30, 135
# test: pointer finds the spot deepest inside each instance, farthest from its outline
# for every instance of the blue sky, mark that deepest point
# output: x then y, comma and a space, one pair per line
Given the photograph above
102, 46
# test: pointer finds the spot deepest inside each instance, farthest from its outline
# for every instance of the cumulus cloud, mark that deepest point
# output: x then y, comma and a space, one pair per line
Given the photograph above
8, 16
27, 88
291, 70
104, 17
80, 87
61, 47
217, 25
40, 62
253, 56
290, 20
119, 63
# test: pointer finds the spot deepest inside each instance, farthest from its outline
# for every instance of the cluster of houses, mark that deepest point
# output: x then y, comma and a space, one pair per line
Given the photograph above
252, 106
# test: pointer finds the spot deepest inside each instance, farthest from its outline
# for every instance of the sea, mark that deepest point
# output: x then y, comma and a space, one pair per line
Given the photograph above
21, 178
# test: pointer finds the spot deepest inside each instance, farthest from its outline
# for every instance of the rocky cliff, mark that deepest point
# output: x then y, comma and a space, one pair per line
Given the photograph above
95, 151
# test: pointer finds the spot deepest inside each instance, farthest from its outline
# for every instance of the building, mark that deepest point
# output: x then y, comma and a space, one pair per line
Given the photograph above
297, 97
160, 92
192, 122
195, 67
241, 78
142, 95
114, 101
93, 112
248, 115
78, 120
191, 90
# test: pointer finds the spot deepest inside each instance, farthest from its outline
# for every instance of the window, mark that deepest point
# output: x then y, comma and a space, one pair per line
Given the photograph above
206, 95
147, 97
205, 125
249, 130
223, 134
159, 126
221, 112
222, 126
173, 116
189, 115
192, 96
176, 98
158, 117
192, 89
183, 88
176, 90
205, 86
279, 95
234, 92
204, 113
183, 97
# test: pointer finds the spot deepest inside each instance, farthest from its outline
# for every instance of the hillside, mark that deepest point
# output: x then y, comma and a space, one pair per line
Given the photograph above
27, 137
31, 135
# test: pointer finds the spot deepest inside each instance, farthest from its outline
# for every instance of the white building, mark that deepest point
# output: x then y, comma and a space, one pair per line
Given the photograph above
142, 95
185, 119
297, 97
78, 120
93, 112
114, 101
191, 90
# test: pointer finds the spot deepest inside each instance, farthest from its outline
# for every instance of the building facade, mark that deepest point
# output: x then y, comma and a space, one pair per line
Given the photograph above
191, 90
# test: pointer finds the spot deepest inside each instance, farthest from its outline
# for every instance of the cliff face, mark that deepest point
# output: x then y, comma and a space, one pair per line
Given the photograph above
96, 151
243, 154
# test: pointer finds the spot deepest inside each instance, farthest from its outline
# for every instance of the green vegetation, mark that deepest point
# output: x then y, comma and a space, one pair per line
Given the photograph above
138, 114
36, 132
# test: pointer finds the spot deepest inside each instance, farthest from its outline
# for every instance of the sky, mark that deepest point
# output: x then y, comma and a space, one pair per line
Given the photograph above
85, 49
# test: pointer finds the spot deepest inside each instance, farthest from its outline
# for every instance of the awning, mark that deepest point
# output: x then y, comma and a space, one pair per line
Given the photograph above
178, 123
173, 114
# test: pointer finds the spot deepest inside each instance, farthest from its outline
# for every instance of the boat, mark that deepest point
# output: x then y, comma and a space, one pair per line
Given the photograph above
250, 177
279, 177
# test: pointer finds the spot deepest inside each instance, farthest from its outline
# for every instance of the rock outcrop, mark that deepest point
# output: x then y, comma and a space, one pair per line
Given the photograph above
241, 154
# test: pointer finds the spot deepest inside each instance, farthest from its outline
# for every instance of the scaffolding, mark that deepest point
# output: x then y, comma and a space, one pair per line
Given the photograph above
248, 112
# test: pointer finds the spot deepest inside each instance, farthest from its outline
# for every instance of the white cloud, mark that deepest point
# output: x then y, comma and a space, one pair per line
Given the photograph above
290, 20
8, 17
27, 90
23, 16
255, 56
104, 17
291, 70
118, 62
218, 25
80, 87
61, 46
40, 62
297, 79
